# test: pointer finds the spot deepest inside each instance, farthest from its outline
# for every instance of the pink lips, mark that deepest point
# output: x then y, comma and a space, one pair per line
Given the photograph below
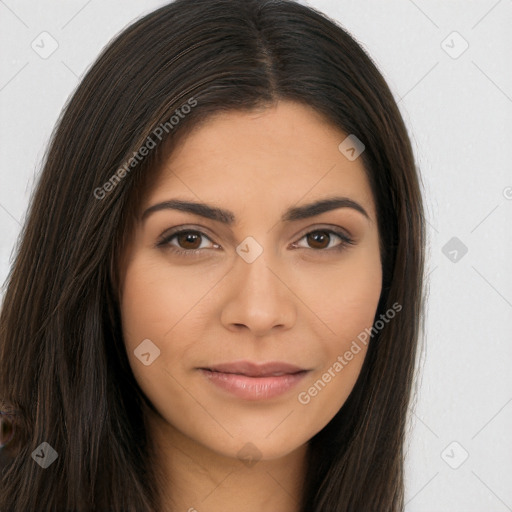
252, 381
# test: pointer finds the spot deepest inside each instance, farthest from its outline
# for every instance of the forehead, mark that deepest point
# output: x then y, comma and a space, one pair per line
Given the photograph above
280, 155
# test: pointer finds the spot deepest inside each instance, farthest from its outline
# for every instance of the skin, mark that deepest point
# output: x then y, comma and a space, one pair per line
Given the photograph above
301, 301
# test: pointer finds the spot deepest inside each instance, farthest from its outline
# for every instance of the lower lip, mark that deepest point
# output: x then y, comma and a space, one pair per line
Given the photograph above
254, 388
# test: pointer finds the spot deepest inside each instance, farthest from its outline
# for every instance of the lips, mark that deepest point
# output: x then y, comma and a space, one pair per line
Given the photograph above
249, 369
253, 381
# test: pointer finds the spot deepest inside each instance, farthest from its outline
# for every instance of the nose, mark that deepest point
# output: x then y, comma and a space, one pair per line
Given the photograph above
258, 299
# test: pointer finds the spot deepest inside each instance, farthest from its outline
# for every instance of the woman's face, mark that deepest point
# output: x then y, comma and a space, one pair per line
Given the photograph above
240, 303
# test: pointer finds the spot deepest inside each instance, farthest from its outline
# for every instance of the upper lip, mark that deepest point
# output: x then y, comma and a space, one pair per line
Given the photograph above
251, 369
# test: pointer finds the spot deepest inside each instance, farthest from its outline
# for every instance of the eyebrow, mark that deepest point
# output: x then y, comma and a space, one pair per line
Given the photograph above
227, 217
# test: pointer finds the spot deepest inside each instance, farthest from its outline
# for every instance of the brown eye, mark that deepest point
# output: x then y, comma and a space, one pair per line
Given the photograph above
186, 242
324, 240
318, 239
189, 240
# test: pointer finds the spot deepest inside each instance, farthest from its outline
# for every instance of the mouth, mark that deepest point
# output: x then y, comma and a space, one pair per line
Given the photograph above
253, 381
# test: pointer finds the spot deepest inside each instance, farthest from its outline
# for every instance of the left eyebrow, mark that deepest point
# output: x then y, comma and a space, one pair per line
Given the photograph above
324, 205
228, 217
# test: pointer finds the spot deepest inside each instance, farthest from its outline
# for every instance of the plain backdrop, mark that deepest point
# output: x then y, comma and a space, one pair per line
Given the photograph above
448, 64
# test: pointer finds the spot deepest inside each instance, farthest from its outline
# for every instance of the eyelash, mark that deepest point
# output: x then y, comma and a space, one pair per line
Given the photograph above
164, 241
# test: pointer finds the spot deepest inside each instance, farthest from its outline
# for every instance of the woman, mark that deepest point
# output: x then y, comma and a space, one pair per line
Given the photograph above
220, 278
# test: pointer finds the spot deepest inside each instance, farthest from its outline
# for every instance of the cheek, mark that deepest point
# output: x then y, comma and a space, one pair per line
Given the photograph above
168, 308
347, 304
154, 307
346, 296
155, 300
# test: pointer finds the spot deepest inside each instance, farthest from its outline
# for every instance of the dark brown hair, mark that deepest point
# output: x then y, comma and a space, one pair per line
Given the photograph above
64, 372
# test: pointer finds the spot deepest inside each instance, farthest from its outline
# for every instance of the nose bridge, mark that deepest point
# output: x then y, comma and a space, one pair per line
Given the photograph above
255, 258
255, 262
259, 299
258, 282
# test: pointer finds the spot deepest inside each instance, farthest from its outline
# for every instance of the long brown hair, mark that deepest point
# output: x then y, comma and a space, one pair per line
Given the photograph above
64, 372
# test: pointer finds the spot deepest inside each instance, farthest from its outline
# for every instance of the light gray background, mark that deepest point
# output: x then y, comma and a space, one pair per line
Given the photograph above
459, 113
